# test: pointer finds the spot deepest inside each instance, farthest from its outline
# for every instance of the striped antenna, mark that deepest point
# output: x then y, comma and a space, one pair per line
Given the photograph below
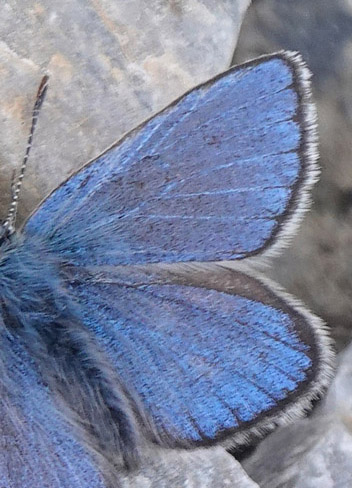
9, 224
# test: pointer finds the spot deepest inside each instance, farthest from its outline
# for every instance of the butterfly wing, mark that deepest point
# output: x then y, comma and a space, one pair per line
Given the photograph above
38, 449
219, 174
213, 355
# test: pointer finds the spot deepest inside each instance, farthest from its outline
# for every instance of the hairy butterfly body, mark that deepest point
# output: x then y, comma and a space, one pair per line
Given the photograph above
117, 340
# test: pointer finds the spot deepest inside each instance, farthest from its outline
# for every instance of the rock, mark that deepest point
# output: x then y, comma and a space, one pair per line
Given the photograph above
318, 266
205, 468
111, 65
315, 452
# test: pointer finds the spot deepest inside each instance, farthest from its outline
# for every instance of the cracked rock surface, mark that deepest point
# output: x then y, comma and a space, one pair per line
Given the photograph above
111, 65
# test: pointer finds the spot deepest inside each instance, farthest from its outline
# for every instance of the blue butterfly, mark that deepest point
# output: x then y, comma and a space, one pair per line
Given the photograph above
107, 345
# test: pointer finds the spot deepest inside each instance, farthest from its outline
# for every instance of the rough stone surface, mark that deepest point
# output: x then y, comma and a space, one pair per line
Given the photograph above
210, 468
318, 266
315, 452
111, 65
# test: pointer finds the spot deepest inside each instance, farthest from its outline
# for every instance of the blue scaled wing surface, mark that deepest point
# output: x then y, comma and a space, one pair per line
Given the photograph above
222, 173
38, 448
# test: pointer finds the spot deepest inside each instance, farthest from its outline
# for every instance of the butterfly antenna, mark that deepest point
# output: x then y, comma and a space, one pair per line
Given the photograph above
9, 223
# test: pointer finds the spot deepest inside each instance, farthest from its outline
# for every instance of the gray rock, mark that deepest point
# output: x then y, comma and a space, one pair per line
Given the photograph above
202, 468
111, 65
315, 452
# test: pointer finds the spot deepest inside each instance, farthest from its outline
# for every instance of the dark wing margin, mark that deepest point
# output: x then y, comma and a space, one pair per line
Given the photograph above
224, 172
215, 355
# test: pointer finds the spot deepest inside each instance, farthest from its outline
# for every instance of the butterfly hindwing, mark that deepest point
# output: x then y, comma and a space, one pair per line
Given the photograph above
212, 357
219, 174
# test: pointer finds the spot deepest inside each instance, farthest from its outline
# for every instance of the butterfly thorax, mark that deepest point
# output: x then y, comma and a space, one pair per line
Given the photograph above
29, 282
5, 233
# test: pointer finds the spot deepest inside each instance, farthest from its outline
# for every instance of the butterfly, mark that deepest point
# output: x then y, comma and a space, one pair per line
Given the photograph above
107, 344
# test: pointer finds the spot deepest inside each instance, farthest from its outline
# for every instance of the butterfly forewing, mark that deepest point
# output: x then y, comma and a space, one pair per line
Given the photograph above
217, 175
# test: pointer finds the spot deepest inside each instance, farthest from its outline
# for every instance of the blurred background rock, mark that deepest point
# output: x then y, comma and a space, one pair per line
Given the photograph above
318, 266
315, 452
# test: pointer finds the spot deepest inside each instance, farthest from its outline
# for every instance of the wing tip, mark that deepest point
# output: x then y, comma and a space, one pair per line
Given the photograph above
302, 199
